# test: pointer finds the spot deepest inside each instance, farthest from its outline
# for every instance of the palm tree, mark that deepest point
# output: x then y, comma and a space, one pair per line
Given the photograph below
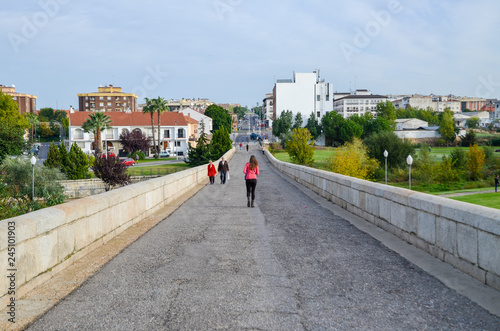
160, 106
95, 123
33, 121
150, 109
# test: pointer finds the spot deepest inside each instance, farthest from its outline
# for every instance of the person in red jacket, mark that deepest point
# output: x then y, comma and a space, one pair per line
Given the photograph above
251, 172
211, 172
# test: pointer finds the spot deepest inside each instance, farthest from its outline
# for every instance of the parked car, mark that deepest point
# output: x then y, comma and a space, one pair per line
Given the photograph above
109, 154
128, 161
164, 154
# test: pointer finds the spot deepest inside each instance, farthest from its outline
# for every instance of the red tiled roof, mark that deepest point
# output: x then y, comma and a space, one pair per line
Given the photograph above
131, 119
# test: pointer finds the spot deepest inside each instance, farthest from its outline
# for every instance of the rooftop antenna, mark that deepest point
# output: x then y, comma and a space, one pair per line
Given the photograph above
355, 86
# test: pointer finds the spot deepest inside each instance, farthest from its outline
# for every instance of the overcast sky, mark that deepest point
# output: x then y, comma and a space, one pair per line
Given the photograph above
232, 51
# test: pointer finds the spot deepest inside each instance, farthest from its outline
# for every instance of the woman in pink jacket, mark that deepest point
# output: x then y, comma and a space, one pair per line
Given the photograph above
251, 172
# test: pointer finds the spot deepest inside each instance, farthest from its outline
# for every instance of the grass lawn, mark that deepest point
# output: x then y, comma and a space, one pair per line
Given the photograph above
164, 169
491, 200
321, 157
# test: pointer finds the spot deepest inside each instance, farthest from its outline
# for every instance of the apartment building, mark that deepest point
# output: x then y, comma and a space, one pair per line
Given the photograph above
267, 109
359, 102
305, 93
176, 130
109, 99
25, 102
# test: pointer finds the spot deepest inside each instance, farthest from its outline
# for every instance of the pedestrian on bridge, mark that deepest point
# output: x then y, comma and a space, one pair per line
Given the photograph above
223, 168
251, 172
241, 145
247, 147
211, 172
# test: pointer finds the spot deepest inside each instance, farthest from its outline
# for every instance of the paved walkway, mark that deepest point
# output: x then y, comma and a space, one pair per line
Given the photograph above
288, 264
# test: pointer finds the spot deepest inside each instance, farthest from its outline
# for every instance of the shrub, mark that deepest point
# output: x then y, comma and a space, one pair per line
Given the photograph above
352, 160
300, 147
398, 150
111, 171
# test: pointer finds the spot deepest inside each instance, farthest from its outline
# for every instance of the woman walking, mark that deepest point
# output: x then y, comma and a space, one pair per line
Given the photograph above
211, 172
251, 172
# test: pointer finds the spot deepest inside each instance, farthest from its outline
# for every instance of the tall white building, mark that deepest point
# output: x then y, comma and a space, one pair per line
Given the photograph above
359, 103
305, 93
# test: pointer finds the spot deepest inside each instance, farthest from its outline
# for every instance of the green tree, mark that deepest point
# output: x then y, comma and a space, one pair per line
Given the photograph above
53, 157
424, 168
447, 126
220, 117
78, 164
458, 158
149, 108
349, 131
398, 150
46, 114
95, 123
300, 147
220, 144
352, 160
63, 157
201, 153
240, 111
472, 123
469, 139
331, 123
313, 126
475, 162
298, 121
447, 172
283, 124
387, 111
12, 127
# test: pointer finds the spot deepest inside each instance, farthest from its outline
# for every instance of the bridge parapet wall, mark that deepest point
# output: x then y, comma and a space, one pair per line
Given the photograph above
48, 240
464, 235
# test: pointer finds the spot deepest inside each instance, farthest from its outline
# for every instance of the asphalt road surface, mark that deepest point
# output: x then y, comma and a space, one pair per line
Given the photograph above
288, 264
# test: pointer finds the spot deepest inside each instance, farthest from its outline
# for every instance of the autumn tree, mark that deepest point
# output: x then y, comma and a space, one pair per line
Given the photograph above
300, 147
352, 160
475, 162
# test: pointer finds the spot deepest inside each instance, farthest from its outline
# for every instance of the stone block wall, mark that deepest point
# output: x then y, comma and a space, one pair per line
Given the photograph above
48, 240
464, 235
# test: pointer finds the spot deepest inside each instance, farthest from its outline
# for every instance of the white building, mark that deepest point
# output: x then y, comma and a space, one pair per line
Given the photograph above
410, 124
173, 138
305, 93
359, 103
267, 109
199, 117
461, 118
495, 115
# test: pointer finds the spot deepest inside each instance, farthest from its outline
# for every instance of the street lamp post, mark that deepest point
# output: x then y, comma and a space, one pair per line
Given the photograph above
409, 160
33, 162
386, 154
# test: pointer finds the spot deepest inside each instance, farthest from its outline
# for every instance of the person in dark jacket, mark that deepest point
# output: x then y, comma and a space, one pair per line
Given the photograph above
223, 168
496, 183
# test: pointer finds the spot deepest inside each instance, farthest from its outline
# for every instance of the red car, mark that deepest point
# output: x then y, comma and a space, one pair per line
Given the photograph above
109, 154
128, 161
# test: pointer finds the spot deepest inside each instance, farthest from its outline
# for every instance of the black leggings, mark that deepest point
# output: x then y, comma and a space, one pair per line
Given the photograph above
212, 179
251, 184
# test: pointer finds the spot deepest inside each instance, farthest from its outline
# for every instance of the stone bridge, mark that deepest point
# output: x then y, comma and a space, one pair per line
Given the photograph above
319, 251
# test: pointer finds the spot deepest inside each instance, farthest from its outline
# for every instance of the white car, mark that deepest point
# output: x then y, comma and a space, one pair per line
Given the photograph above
164, 154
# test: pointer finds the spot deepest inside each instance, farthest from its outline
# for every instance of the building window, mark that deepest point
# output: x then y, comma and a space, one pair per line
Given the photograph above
109, 103
101, 98
180, 133
86, 98
327, 98
101, 104
166, 133
318, 98
86, 104
318, 114
109, 98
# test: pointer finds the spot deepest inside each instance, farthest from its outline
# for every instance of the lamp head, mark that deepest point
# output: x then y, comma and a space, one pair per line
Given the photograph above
409, 160
33, 160
386, 153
